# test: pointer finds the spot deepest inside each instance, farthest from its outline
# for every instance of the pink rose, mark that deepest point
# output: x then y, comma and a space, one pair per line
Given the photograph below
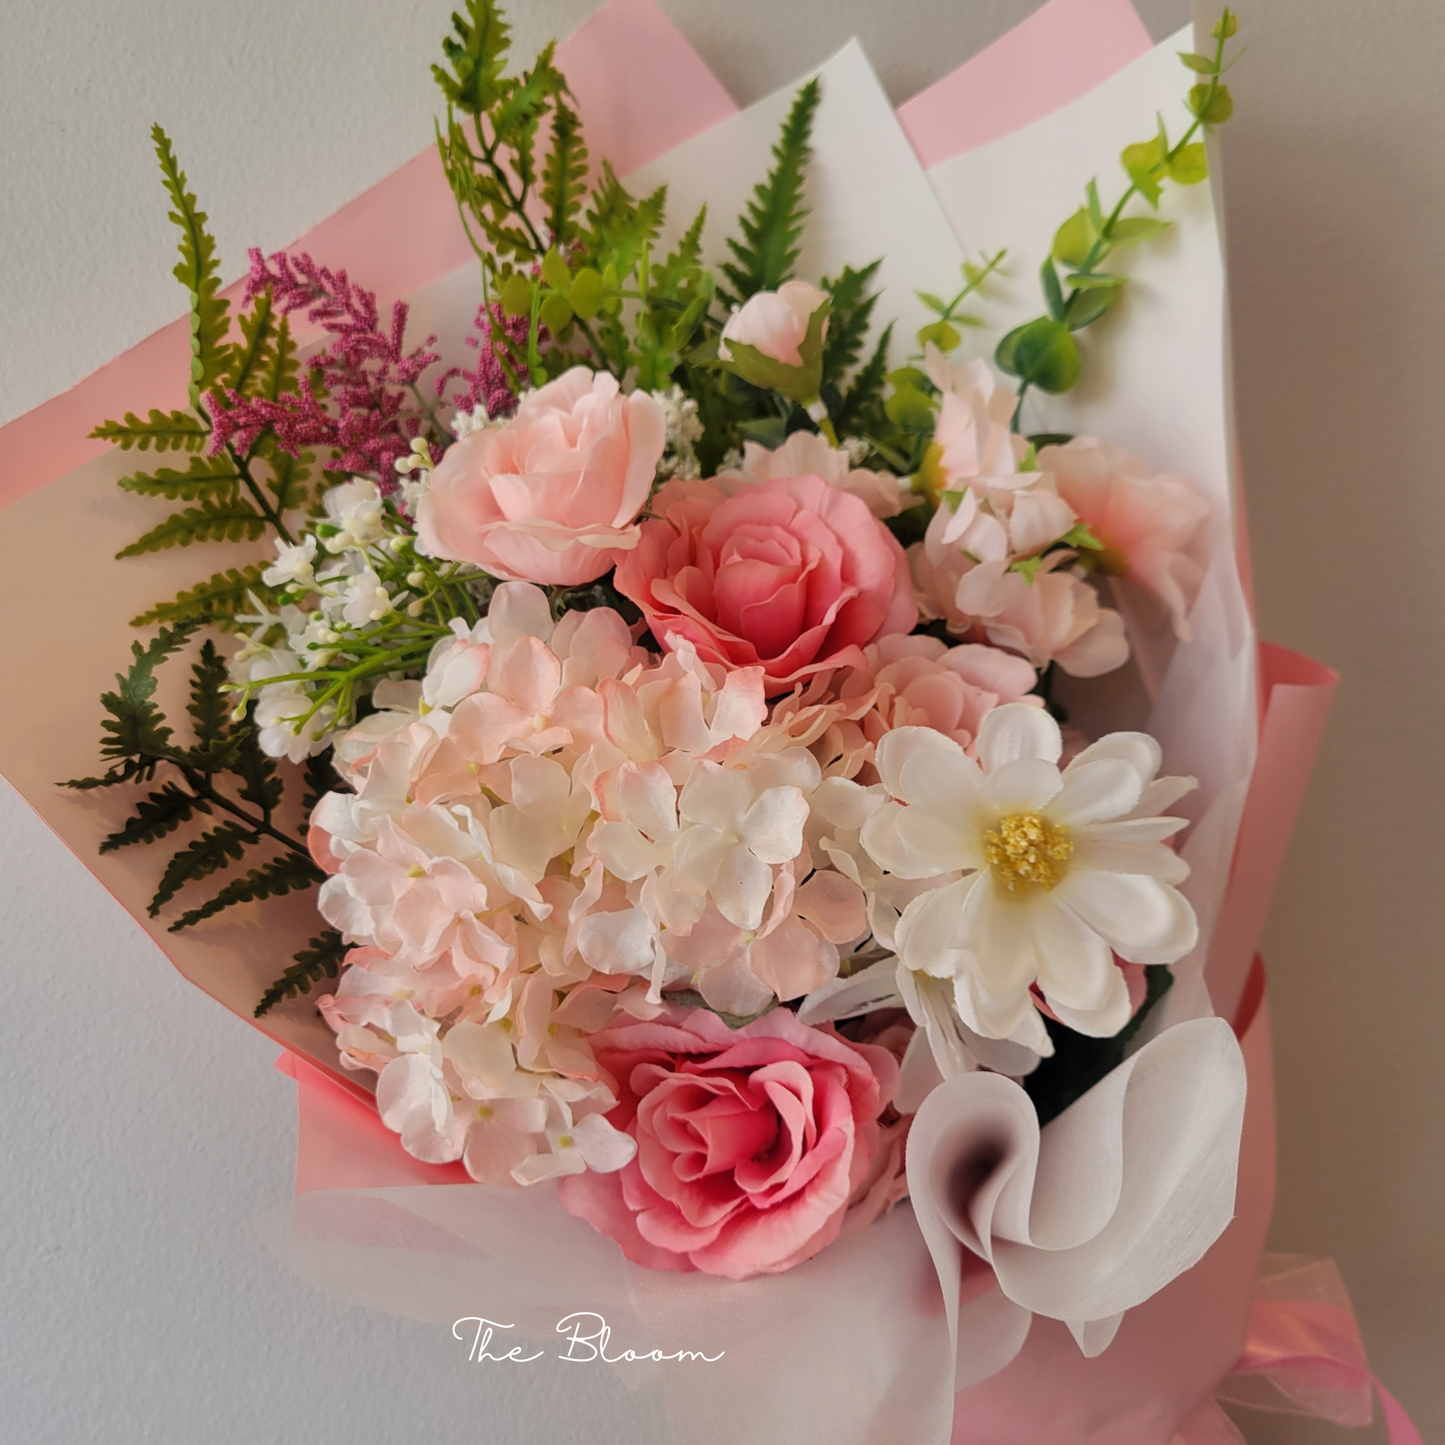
750, 1143
552, 495
774, 322
789, 574
1144, 521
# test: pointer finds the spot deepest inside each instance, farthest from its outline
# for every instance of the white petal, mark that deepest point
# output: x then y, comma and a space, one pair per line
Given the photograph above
1026, 785
773, 826
1137, 829
1016, 731
605, 1148
1143, 920
1106, 788
696, 857
896, 748
1106, 856
716, 796
927, 934
1162, 794
883, 845
647, 798
742, 888
1102, 1022
624, 851
996, 927
1075, 965
1139, 750
621, 942
519, 609
843, 803
946, 846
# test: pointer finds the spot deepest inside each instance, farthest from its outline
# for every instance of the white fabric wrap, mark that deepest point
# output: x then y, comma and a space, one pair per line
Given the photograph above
1092, 1214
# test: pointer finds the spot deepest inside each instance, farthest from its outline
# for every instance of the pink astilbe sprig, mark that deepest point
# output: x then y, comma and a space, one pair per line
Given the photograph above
359, 399
487, 384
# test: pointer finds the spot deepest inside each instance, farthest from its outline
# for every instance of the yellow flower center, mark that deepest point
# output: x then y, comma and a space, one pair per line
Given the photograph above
1026, 848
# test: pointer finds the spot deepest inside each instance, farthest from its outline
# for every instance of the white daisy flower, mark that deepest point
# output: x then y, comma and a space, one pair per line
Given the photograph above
1062, 868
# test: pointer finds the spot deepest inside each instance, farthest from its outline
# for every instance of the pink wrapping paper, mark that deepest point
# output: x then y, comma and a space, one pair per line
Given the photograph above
1062, 51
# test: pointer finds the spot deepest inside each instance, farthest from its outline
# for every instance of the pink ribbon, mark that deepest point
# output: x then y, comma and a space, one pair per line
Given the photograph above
1303, 1356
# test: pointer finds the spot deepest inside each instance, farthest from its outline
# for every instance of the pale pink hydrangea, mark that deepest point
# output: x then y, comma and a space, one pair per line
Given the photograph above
806, 454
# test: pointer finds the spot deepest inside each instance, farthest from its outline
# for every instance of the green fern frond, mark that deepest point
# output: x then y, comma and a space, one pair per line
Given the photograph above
213, 477
861, 408
288, 873
250, 356
322, 958
261, 785
135, 729
564, 174
283, 368
232, 520
154, 817
213, 603
478, 55
165, 431
208, 707
680, 263
208, 854
199, 272
849, 320
772, 224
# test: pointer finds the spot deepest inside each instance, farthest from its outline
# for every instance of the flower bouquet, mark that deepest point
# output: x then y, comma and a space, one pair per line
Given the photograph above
760, 725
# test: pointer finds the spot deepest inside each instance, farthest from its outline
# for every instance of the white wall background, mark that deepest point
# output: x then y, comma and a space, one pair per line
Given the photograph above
143, 1129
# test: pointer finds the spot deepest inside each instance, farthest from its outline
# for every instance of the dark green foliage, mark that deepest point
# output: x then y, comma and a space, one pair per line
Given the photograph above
860, 408
214, 478
477, 55
772, 225
137, 741
1078, 1063
849, 320
286, 873
321, 958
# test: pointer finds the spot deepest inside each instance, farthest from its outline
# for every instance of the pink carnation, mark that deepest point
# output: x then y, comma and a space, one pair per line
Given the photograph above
750, 1143
1144, 521
790, 574
922, 682
552, 495
1049, 617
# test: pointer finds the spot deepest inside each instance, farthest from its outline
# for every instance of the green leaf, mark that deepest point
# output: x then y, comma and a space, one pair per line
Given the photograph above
1094, 280
944, 336
554, 270
585, 293
797, 383
283, 370
199, 272
165, 431
478, 55
212, 603
1201, 64
934, 303
1027, 568
1190, 166
1141, 161
516, 295
910, 409
233, 520
208, 854
772, 224
161, 813
289, 873
564, 180
290, 477
1053, 292
1096, 211
1043, 353
1212, 103
517, 118
322, 958
1074, 241
1134, 229
1087, 305
212, 477
1227, 26
556, 313
1082, 535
